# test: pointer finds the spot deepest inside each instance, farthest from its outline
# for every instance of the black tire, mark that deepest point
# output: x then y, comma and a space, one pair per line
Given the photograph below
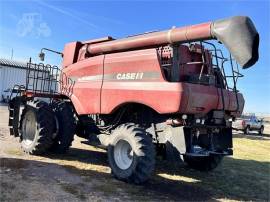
37, 125
203, 163
142, 148
66, 119
86, 126
247, 130
261, 130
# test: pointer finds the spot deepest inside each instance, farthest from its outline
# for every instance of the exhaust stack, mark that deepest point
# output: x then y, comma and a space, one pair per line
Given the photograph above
238, 34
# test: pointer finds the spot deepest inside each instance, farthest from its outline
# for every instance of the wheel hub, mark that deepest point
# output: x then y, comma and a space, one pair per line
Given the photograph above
29, 128
123, 154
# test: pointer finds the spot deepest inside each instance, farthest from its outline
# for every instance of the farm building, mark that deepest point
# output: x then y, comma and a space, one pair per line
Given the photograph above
11, 72
15, 73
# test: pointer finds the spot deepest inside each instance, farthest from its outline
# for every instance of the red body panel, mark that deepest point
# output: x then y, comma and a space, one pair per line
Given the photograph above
106, 82
86, 93
71, 52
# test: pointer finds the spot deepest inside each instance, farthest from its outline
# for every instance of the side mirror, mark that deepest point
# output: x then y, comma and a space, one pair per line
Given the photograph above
41, 56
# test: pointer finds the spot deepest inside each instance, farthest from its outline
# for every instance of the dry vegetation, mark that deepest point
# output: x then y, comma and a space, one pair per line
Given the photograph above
86, 176
83, 174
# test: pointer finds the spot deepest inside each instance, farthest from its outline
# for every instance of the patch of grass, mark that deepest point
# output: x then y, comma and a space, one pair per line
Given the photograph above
106, 188
74, 190
11, 164
15, 151
244, 176
7, 192
5, 189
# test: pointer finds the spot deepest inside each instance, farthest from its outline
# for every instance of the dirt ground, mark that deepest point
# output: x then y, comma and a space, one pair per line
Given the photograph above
83, 175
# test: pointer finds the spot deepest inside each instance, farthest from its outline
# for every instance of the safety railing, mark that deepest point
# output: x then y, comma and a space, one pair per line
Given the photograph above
218, 63
47, 79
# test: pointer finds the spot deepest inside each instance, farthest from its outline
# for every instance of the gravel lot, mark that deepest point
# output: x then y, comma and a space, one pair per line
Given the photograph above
83, 174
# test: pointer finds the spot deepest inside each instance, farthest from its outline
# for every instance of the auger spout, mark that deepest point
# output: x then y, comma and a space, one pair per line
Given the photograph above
238, 34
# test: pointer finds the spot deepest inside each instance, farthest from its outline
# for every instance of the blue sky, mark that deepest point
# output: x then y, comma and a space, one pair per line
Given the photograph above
27, 26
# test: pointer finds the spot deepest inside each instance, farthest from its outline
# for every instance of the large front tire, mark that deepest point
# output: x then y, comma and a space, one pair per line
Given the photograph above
37, 126
131, 154
66, 119
203, 163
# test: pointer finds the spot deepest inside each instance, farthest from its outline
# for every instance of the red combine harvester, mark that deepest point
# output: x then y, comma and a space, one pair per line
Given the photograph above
165, 93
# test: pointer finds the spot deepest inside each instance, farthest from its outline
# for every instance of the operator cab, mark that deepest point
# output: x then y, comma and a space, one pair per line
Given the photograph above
198, 63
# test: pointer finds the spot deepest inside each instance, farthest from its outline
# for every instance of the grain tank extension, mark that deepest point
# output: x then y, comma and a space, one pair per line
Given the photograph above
171, 93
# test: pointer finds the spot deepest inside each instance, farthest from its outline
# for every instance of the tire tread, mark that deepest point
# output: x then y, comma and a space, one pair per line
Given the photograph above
146, 163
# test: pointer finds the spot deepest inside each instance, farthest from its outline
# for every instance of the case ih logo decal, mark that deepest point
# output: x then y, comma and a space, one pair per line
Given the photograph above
129, 76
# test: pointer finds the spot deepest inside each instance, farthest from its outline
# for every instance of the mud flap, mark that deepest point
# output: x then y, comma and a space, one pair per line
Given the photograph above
210, 144
178, 141
175, 143
223, 141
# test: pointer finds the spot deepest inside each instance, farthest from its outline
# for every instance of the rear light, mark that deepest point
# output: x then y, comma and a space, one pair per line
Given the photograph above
243, 123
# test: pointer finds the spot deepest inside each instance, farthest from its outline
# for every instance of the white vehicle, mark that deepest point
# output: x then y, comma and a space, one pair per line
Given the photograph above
10, 93
249, 123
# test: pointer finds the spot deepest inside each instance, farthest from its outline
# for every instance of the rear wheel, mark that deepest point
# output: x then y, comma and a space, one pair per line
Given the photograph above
246, 130
203, 163
261, 130
37, 126
131, 154
66, 120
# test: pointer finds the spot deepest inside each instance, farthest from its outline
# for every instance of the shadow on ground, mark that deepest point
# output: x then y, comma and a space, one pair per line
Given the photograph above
252, 136
235, 179
93, 182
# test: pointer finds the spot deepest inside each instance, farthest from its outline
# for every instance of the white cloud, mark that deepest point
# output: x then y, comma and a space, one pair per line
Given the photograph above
68, 13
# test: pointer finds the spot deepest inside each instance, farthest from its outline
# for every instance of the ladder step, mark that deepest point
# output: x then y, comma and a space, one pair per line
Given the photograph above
11, 131
165, 65
11, 113
10, 122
